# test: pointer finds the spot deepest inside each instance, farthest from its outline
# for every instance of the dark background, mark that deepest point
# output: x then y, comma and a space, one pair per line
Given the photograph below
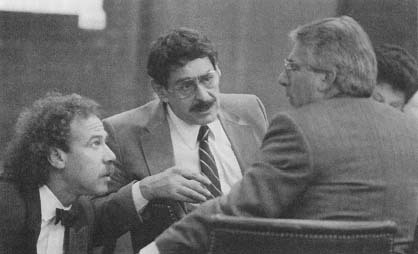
42, 52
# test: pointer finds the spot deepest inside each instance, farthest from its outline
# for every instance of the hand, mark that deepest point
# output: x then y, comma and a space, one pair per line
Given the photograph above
177, 184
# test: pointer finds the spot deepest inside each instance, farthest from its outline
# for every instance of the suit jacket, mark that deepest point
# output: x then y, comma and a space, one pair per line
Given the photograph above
340, 159
142, 143
20, 220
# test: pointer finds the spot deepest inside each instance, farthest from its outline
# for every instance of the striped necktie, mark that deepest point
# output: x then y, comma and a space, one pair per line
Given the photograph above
207, 161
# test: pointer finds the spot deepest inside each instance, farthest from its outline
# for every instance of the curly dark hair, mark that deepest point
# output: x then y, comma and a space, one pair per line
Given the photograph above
175, 49
398, 68
44, 125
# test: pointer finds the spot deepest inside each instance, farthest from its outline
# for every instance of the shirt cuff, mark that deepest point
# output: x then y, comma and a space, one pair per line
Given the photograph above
139, 201
150, 249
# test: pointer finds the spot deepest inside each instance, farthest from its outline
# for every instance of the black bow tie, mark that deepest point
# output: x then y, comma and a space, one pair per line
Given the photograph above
67, 217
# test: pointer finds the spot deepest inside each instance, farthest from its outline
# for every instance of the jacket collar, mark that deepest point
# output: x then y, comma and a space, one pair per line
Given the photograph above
157, 145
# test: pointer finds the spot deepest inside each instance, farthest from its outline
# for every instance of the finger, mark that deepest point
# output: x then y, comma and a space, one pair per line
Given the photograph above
198, 187
196, 176
191, 195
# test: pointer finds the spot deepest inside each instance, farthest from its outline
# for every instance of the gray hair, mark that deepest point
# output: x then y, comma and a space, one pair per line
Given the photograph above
341, 43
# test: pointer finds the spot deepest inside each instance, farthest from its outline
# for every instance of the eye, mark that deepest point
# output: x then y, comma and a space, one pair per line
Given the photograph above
397, 104
207, 78
186, 85
96, 143
378, 97
294, 66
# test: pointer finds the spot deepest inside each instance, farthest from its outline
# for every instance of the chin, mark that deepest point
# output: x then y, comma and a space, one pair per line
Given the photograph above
206, 120
101, 191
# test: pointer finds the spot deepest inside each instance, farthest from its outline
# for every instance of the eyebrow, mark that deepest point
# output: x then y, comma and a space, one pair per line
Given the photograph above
105, 137
191, 78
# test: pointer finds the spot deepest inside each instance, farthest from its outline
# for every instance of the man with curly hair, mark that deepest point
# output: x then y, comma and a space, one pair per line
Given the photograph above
397, 76
57, 155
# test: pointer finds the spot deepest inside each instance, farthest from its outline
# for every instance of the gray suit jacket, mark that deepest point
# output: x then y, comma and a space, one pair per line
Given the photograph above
141, 141
340, 159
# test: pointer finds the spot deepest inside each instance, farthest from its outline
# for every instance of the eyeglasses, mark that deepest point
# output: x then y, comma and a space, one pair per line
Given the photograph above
187, 87
290, 65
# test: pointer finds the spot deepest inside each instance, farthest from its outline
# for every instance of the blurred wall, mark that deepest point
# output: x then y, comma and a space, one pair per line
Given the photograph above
386, 21
39, 53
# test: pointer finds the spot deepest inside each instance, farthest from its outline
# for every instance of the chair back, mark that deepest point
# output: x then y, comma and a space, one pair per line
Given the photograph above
244, 235
414, 245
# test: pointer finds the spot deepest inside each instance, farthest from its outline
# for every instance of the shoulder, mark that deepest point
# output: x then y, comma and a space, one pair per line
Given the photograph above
328, 110
244, 105
137, 116
12, 209
11, 198
239, 100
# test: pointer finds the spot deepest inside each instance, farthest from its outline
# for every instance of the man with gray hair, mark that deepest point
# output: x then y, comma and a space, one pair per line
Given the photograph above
339, 155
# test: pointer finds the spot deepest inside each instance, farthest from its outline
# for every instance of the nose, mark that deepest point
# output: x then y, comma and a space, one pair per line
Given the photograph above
283, 79
202, 93
109, 156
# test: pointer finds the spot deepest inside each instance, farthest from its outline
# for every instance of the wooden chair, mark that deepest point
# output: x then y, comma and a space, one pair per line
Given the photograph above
243, 235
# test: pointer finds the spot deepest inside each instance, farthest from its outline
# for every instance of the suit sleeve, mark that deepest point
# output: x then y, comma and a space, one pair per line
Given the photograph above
270, 187
114, 215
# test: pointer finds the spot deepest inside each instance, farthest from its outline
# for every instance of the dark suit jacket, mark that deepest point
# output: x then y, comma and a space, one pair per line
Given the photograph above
340, 159
20, 220
141, 141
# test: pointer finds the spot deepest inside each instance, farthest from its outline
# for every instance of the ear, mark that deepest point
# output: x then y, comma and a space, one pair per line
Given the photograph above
57, 157
160, 90
328, 78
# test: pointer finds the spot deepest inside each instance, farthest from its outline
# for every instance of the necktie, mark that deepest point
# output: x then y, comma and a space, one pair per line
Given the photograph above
67, 219
207, 161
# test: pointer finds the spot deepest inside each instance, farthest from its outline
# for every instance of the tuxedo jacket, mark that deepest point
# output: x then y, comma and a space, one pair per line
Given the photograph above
20, 220
141, 140
339, 159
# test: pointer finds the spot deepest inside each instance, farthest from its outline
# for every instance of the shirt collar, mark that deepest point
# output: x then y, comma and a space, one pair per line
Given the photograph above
189, 132
49, 202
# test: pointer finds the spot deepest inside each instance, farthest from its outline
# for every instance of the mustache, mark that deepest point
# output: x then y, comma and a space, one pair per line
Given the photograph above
110, 168
202, 105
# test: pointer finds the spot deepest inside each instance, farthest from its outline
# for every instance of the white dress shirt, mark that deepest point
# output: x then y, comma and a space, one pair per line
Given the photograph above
186, 149
51, 237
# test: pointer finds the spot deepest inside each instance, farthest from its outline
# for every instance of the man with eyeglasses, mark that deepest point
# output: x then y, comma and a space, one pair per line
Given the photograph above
189, 145
339, 155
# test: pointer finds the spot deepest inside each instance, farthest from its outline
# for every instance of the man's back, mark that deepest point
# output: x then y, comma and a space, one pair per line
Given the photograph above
340, 159
364, 160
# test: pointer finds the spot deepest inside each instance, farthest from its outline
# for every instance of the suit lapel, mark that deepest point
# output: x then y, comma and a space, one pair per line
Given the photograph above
156, 141
158, 148
79, 238
241, 136
81, 232
34, 219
